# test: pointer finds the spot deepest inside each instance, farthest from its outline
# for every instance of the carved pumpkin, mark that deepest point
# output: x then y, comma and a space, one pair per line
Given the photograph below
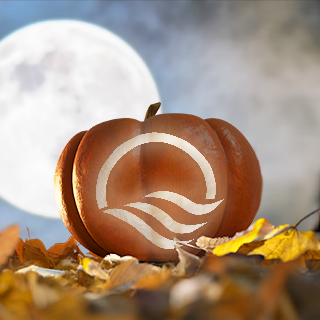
131, 187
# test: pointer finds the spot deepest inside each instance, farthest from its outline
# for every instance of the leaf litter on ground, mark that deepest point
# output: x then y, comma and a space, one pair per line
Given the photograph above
264, 272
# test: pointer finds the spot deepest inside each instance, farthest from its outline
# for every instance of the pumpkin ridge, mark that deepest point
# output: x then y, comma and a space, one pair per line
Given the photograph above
65, 201
245, 181
228, 174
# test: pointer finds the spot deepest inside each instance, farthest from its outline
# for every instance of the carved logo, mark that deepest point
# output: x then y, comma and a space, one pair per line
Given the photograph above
180, 200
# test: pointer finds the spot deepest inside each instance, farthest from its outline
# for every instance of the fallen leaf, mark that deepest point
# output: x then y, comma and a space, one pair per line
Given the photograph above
64, 255
288, 245
112, 260
85, 282
284, 242
34, 252
8, 241
188, 290
312, 259
154, 278
19, 249
251, 283
188, 263
127, 274
260, 228
15, 296
63, 250
208, 244
92, 268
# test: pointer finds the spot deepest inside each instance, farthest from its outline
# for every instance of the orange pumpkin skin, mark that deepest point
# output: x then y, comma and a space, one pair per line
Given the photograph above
151, 167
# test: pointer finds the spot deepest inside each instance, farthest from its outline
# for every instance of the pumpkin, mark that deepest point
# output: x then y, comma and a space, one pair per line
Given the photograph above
132, 188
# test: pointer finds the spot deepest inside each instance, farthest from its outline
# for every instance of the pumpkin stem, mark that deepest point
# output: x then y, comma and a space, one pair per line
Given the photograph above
152, 110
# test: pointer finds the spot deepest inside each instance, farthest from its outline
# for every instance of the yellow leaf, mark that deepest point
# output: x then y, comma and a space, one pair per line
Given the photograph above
288, 245
260, 228
275, 231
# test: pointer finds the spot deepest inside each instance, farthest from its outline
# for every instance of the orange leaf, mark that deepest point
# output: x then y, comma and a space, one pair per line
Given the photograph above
63, 249
36, 243
8, 240
19, 249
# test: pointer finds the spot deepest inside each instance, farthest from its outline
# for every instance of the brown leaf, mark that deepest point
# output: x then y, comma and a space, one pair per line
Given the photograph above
8, 241
35, 255
86, 282
64, 255
127, 274
63, 249
248, 247
36, 243
208, 244
188, 263
154, 278
60, 255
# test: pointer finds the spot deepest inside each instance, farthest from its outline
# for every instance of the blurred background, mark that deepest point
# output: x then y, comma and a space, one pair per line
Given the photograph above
253, 64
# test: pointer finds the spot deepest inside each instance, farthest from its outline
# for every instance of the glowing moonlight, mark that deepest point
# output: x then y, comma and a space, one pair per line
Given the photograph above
58, 78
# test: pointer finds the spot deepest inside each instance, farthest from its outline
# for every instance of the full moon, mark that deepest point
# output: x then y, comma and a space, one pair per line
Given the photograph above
58, 78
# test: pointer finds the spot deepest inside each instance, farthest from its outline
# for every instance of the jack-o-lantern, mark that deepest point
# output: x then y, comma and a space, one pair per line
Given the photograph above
132, 188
